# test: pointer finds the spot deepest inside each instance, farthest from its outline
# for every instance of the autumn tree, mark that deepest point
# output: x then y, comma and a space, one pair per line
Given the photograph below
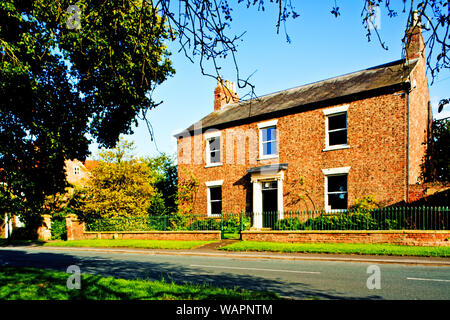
120, 186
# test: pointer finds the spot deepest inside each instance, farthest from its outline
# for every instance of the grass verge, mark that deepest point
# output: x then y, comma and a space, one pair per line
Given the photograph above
39, 284
118, 243
340, 248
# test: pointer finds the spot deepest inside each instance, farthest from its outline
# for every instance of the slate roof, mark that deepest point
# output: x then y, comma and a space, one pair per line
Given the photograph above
269, 168
90, 164
383, 76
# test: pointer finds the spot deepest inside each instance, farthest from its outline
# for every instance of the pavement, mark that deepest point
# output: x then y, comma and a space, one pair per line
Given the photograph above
213, 250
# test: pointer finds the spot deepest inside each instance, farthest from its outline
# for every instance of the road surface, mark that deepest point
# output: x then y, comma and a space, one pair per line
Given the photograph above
297, 279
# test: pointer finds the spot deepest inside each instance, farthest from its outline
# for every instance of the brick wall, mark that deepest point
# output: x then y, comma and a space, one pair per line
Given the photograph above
418, 120
44, 231
75, 231
377, 157
412, 238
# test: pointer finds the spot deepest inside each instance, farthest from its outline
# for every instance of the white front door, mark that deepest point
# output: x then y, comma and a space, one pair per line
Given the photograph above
267, 196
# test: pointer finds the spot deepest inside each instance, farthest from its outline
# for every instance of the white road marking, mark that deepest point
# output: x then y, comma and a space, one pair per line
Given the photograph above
422, 279
253, 269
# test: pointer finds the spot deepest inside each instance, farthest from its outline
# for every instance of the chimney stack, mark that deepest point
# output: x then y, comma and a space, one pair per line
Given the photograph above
224, 93
415, 46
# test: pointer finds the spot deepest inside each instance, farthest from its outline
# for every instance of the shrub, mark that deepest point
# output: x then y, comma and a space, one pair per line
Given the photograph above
230, 224
365, 203
342, 221
59, 230
205, 224
289, 224
233, 224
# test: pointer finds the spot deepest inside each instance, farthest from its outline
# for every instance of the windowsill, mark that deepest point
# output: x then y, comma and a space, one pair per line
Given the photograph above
210, 165
214, 215
337, 147
268, 157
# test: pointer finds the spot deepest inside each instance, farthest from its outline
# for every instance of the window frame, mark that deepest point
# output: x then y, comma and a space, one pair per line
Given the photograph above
343, 171
209, 185
208, 137
331, 112
263, 126
76, 170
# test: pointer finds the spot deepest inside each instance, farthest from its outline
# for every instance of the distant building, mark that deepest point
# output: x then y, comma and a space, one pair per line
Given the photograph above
78, 172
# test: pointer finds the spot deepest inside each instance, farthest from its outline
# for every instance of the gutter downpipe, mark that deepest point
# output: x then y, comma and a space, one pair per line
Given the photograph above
407, 146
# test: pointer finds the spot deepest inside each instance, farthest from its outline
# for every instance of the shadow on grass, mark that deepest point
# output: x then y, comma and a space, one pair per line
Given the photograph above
132, 267
19, 243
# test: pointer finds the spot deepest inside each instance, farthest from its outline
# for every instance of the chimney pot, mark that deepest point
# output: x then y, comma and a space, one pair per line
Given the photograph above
415, 46
224, 93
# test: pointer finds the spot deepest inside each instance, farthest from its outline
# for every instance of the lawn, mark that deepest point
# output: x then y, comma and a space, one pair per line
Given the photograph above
39, 284
340, 248
144, 244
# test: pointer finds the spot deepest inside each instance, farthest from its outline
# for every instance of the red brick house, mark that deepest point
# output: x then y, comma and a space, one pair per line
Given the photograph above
317, 146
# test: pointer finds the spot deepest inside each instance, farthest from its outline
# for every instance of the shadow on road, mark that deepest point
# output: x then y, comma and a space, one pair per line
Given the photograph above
128, 267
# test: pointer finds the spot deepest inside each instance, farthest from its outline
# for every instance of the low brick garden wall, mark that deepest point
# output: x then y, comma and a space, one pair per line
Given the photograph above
76, 231
401, 237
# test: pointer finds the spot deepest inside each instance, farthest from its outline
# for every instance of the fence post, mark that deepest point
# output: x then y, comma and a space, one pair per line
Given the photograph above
221, 225
414, 220
423, 218
366, 213
438, 218
241, 221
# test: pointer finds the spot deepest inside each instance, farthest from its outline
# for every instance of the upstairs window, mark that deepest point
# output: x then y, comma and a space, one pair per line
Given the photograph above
337, 129
76, 170
214, 150
213, 153
268, 143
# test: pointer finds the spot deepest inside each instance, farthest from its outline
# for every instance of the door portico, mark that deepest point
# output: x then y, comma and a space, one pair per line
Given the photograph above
267, 184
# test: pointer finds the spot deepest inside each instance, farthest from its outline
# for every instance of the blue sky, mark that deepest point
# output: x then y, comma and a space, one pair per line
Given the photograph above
321, 47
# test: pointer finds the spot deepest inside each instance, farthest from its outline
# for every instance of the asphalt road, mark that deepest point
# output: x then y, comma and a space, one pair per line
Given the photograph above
289, 278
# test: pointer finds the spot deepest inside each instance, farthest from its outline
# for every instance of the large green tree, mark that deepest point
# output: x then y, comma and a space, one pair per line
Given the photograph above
436, 167
164, 169
62, 78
